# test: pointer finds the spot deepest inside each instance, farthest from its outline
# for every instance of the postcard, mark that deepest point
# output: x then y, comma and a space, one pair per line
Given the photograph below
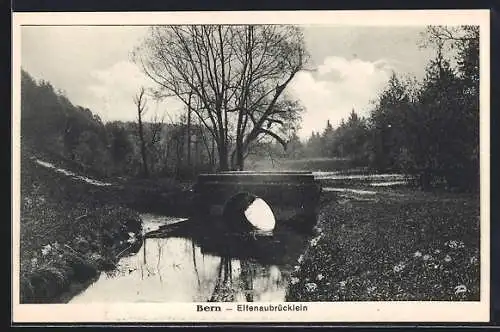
272, 166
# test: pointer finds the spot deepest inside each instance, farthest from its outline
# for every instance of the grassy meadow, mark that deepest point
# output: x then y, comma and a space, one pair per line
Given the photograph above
402, 245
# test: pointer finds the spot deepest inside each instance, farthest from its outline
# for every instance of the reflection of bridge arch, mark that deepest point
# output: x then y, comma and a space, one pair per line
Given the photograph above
252, 280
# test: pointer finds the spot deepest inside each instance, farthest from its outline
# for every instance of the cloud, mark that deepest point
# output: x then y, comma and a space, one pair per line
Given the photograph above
90, 63
113, 89
330, 93
338, 86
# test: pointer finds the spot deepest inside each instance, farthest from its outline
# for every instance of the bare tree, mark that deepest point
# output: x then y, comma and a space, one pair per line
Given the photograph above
140, 102
153, 147
464, 41
235, 75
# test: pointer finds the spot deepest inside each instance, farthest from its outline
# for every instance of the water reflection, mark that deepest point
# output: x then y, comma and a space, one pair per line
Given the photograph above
202, 267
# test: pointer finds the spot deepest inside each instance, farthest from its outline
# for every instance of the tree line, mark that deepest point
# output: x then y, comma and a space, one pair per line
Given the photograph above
427, 128
232, 81
52, 126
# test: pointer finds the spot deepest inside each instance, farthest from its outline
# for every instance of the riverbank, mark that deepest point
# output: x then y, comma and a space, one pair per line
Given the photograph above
402, 244
71, 230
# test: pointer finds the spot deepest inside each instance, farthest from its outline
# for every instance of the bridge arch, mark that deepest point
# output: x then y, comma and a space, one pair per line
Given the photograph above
292, 196
249, 211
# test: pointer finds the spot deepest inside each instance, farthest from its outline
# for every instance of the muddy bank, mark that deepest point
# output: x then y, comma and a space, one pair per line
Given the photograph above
67, 233
99, 239
72, 227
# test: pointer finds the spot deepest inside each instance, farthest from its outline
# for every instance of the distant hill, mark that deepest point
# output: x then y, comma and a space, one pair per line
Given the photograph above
53, 128
75, 138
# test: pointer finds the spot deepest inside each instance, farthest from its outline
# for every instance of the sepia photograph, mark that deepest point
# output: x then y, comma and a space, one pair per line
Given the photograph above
252, 166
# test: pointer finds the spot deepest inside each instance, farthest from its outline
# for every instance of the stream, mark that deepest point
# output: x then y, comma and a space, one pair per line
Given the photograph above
200, 265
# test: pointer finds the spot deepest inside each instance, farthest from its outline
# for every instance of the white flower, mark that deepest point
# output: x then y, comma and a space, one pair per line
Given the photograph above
342, 284
473, 260
437, 251
371, 289
320, 277
426, 257
399, 267
417, 254
296, 268
310, 287
131, 238
314, 241
301, 258
294, 280
34, 260
447, 258
46, 249
460, 289
455, 244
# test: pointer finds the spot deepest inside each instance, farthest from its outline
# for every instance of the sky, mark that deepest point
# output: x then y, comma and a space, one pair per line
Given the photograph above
92, 66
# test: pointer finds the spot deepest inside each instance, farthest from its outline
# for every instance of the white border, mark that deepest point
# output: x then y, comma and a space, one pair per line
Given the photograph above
318, 311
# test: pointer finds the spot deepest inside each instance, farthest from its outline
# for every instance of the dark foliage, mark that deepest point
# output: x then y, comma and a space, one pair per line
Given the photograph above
75, 137
427, 129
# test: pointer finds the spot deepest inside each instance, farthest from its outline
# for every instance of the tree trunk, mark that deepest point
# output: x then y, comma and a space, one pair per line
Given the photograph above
189, 136
425, 179
240, 160
212, 157
196, 155
237, 158
165, 159
223, 158
143, 147
189, 139
178, 151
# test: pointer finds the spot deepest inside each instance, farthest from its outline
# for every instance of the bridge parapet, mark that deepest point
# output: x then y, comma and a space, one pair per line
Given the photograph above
292, 196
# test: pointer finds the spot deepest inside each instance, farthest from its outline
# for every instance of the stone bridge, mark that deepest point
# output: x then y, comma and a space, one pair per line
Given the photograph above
292, 196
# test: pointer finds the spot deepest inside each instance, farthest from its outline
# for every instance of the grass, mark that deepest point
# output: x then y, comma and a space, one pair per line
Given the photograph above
67, 233
306, 164
397, 245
